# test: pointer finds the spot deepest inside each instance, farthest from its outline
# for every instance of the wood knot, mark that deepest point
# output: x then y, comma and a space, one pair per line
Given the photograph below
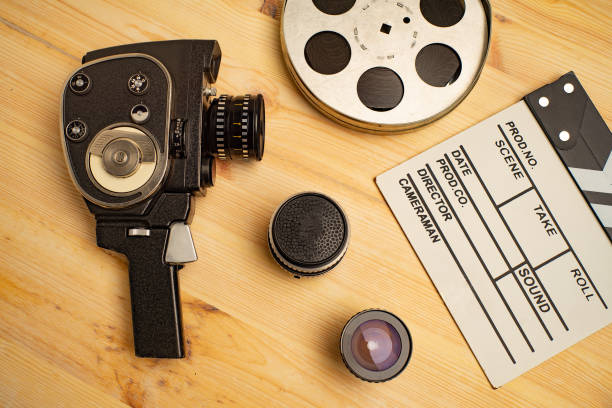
271, 8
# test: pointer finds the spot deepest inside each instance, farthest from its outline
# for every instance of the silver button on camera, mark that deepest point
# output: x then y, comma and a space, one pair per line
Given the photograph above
209, 91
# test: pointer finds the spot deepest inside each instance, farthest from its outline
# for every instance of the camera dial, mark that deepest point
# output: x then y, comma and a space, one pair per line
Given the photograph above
121, 159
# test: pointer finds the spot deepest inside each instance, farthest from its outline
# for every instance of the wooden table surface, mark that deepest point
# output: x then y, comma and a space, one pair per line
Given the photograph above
255, 336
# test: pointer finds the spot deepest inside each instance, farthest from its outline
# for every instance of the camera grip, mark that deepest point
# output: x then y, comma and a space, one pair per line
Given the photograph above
156, 306
154, 290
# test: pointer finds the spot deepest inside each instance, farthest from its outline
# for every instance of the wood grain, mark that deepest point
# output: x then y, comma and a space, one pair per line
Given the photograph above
269, 340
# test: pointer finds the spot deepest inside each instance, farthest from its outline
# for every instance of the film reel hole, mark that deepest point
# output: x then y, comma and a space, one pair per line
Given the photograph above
327, 52
385, 28
334, 7
443, 13
438, 65
406, 20
380, 89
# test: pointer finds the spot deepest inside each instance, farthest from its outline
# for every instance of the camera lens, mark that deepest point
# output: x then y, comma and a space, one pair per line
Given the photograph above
236, 127
308, 234
375, 345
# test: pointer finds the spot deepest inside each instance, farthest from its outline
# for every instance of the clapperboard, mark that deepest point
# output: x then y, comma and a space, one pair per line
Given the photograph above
513, 221
582, 139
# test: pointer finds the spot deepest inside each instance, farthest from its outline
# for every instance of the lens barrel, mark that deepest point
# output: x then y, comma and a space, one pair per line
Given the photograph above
375, 345
236, 127
308, 234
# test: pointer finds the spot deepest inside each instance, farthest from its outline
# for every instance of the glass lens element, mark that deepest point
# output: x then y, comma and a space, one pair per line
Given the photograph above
376, 345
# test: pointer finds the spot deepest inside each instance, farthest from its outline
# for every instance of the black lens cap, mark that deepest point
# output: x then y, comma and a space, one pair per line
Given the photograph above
375, 345
308, 234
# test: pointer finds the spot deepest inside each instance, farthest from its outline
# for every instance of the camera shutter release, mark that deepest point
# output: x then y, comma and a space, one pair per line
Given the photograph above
309, 234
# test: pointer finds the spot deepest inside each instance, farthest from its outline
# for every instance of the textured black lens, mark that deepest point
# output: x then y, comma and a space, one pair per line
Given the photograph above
375, 345
236, 127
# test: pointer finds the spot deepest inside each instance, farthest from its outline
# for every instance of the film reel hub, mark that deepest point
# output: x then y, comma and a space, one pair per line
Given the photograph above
378, 28
385, 66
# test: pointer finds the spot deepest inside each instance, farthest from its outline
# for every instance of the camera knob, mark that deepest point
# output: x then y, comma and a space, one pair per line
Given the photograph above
121, 157
80, 83
138, 84
309, 234
76, 130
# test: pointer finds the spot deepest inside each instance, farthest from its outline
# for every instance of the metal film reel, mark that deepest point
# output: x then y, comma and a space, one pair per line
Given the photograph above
122, 160
385, 65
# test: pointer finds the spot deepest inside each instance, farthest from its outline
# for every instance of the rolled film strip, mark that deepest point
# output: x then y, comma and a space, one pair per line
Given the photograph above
382, 65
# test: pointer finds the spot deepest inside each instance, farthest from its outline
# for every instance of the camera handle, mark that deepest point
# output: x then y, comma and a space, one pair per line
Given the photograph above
154, 252
154, 289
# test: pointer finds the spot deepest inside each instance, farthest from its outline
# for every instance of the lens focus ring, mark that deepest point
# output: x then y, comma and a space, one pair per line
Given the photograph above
236, 127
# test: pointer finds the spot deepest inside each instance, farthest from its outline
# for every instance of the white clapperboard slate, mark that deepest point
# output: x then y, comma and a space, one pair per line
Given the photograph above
512, 220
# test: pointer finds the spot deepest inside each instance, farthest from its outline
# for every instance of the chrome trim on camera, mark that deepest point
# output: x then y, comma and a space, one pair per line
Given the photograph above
162, 165
139, 232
